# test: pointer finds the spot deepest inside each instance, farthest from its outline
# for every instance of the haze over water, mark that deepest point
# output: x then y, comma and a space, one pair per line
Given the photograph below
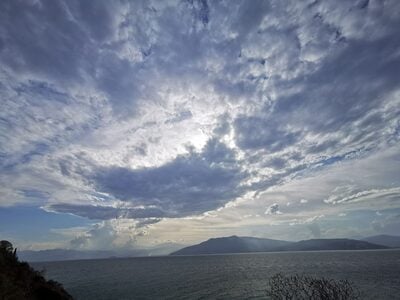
235, 276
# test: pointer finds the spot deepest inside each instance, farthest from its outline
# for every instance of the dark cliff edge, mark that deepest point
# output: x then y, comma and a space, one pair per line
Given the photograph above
18, 280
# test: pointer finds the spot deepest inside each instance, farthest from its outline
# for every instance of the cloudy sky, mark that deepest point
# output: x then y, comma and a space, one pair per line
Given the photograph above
128, 124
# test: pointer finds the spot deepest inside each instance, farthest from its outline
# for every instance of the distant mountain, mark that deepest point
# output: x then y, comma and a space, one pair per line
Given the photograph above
385, 240
61, 254
232, 244
67, 254
235, 244
330, 244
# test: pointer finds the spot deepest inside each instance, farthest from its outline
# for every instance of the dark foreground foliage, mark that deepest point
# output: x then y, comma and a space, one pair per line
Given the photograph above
19, 281
299, 287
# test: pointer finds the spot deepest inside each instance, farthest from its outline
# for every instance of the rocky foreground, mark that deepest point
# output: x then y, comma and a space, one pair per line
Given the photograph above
18, 280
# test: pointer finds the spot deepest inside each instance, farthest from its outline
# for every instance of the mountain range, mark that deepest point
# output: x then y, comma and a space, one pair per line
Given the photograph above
386, 240
70, 254
235, 244
232, 244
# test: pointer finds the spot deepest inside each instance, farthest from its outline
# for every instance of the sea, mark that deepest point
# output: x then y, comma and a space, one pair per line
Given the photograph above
375, 273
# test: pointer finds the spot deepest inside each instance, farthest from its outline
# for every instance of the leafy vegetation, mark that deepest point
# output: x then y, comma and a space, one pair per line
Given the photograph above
299, 287
18, 280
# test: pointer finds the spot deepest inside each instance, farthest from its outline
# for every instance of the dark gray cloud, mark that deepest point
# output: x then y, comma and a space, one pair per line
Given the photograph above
41, 37
146, 222
346, 87
276, 163
116, 77
190, 184
256, 132
249, 16
273, 210
200, 10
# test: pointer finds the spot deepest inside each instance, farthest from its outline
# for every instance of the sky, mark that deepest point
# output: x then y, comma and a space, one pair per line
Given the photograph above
133, 124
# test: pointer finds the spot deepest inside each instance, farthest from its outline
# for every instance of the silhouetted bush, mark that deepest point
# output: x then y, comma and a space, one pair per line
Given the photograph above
19, 281
299, 287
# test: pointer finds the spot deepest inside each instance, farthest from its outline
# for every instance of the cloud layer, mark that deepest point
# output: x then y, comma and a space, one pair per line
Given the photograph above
152, 110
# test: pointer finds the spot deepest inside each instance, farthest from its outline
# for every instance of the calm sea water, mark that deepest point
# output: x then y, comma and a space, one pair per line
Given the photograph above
240, 276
